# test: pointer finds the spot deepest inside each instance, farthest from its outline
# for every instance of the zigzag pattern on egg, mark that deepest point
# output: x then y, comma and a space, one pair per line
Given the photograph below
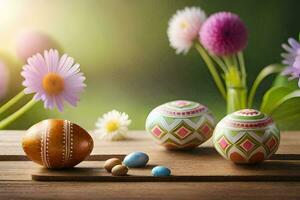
180, 124
192, 130
246, 136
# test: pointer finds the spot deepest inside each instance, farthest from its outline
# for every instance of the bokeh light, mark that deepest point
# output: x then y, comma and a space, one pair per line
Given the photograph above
124, 51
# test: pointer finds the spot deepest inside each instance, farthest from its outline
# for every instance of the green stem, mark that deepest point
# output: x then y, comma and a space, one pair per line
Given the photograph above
242, 66
212, 69
234, 60
11, 102
5, 122
227, 61
230, 61
220, 63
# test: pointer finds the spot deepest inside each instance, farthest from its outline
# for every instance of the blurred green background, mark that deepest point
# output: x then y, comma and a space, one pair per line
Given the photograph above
124, 51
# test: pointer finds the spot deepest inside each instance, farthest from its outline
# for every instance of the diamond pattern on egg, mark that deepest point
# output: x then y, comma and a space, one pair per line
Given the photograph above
246, 136
180, 124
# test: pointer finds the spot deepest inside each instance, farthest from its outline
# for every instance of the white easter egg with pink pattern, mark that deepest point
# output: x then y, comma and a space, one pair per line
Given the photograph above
180, 124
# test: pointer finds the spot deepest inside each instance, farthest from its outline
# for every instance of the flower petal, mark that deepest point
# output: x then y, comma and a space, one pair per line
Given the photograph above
38, 66
294, 43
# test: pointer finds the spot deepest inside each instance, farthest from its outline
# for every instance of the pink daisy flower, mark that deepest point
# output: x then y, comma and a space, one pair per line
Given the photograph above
223, 34
53, 79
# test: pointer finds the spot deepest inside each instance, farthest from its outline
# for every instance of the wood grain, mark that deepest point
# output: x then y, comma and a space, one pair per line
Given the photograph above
192, 166
16, 183
89, 158
24, 190
86, 175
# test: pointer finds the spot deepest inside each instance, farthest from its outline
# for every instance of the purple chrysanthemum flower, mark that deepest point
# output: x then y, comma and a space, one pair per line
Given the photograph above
53, 79
223, 34
291, 58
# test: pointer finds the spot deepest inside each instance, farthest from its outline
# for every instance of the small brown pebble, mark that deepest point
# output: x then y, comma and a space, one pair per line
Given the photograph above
110, 163
119, 170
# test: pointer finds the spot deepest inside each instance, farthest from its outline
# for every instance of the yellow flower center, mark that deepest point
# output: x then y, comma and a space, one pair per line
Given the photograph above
184, 25
112, 126
53, 84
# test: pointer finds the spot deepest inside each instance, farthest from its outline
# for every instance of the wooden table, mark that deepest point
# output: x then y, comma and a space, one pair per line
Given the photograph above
16, 183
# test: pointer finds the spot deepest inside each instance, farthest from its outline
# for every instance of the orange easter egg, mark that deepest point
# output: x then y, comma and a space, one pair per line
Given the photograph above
56, 143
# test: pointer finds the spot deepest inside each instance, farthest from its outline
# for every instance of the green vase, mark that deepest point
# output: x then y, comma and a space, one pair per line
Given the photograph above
236, 89
236, 98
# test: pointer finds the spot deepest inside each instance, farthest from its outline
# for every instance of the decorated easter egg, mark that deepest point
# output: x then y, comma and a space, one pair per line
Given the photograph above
161, 171
119, 170
56, 143
246, 136
110, 163
180, 124
136, 159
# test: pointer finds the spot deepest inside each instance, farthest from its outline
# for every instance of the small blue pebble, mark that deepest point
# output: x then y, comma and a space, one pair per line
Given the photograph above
161, 171
136, 159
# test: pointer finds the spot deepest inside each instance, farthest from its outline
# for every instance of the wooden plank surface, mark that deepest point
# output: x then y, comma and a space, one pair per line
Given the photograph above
15, 177
150, 191
12, 190
186, 166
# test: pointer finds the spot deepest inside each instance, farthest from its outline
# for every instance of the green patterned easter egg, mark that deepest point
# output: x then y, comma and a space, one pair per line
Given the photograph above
246, 136
180, 124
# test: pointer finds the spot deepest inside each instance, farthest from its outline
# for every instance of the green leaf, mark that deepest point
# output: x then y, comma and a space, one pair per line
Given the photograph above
272, 97
271, 69
281, 80
287, 111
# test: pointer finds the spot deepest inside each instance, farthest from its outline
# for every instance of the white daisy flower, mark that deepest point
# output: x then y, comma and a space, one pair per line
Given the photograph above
184, 28
113, 125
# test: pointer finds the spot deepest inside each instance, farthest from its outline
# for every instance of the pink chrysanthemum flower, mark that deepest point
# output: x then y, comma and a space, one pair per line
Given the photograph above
53, 79
184, 28
223, 34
